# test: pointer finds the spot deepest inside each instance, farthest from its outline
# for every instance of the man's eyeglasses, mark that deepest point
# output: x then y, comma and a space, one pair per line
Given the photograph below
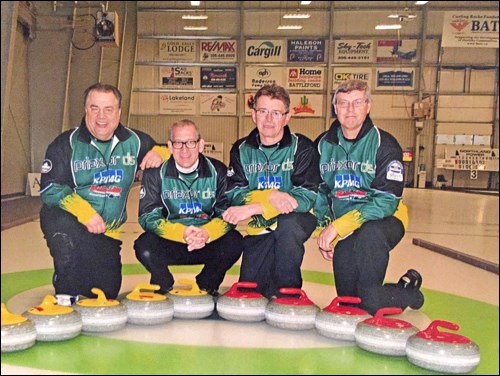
276, 115
191, 144
357, 103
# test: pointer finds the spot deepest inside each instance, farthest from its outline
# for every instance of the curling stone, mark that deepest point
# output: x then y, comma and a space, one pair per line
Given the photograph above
291, 312
18, 332
54, 322
101, 314
339, 321
242, 306
383, 335
191, 303
442, 351
146, 307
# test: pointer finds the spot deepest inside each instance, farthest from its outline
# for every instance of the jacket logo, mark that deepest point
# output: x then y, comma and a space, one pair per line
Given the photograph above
108, 176
346, 181
270, 182
46, 166
128, 160
190, 208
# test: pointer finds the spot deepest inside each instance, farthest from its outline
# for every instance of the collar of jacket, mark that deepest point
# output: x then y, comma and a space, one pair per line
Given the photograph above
253, 138
121, 133
203, 168
331, 135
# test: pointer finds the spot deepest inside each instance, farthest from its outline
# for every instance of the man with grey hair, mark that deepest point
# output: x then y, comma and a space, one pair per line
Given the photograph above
273, 178
361, 215
181, 210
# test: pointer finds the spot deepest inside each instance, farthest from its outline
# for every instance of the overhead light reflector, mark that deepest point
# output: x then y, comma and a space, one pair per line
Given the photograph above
421, 2
198, 28
194, 17
388, 27
297, 15
289, 27
195, 3
305, 2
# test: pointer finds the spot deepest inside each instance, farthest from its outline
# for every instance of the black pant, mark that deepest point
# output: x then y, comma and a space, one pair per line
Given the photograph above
157, 253
82, 260
360, 262
273, 260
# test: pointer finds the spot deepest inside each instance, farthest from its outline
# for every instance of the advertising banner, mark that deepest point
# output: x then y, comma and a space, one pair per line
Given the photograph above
178, 103
256, 77
218, 104
177, 50
218, 51
390, 78
265, 51
218, 77
305, 78
470, 29
354, 51
309, 105
306, 50
343, 74
396, 51
179, 77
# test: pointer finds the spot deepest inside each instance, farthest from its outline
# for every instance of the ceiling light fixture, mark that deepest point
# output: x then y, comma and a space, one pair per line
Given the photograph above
194, 17
195, 3
198, 28
289, 27
388, 27
305, 2
297, 15
421, 2
403, 16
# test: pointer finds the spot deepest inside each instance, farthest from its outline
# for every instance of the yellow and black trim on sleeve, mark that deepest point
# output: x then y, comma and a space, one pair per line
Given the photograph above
163, 151
79, 207
262, 197
216, 228
171, 230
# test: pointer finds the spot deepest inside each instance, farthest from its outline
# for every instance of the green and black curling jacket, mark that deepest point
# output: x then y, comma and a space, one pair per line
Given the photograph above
170, 201
255, 170
84, 176
362, 179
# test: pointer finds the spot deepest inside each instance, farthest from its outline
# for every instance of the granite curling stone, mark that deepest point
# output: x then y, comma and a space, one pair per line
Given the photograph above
383, 335
54, 322
339, 321
144, 307
18, 332
295, 311
101, 314
442, 351
239, 304
191, 303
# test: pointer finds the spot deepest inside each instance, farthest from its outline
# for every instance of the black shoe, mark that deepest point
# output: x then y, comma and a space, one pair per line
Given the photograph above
164, 291
412, 279
418, 300
213, 292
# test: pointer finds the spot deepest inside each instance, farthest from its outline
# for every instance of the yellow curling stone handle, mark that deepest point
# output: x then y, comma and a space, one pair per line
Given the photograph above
193, 291
49, 306
9, 318
139, 294
100, 301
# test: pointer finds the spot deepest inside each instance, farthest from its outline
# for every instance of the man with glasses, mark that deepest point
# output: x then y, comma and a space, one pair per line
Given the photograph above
273, 178
181, 206
359, 207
